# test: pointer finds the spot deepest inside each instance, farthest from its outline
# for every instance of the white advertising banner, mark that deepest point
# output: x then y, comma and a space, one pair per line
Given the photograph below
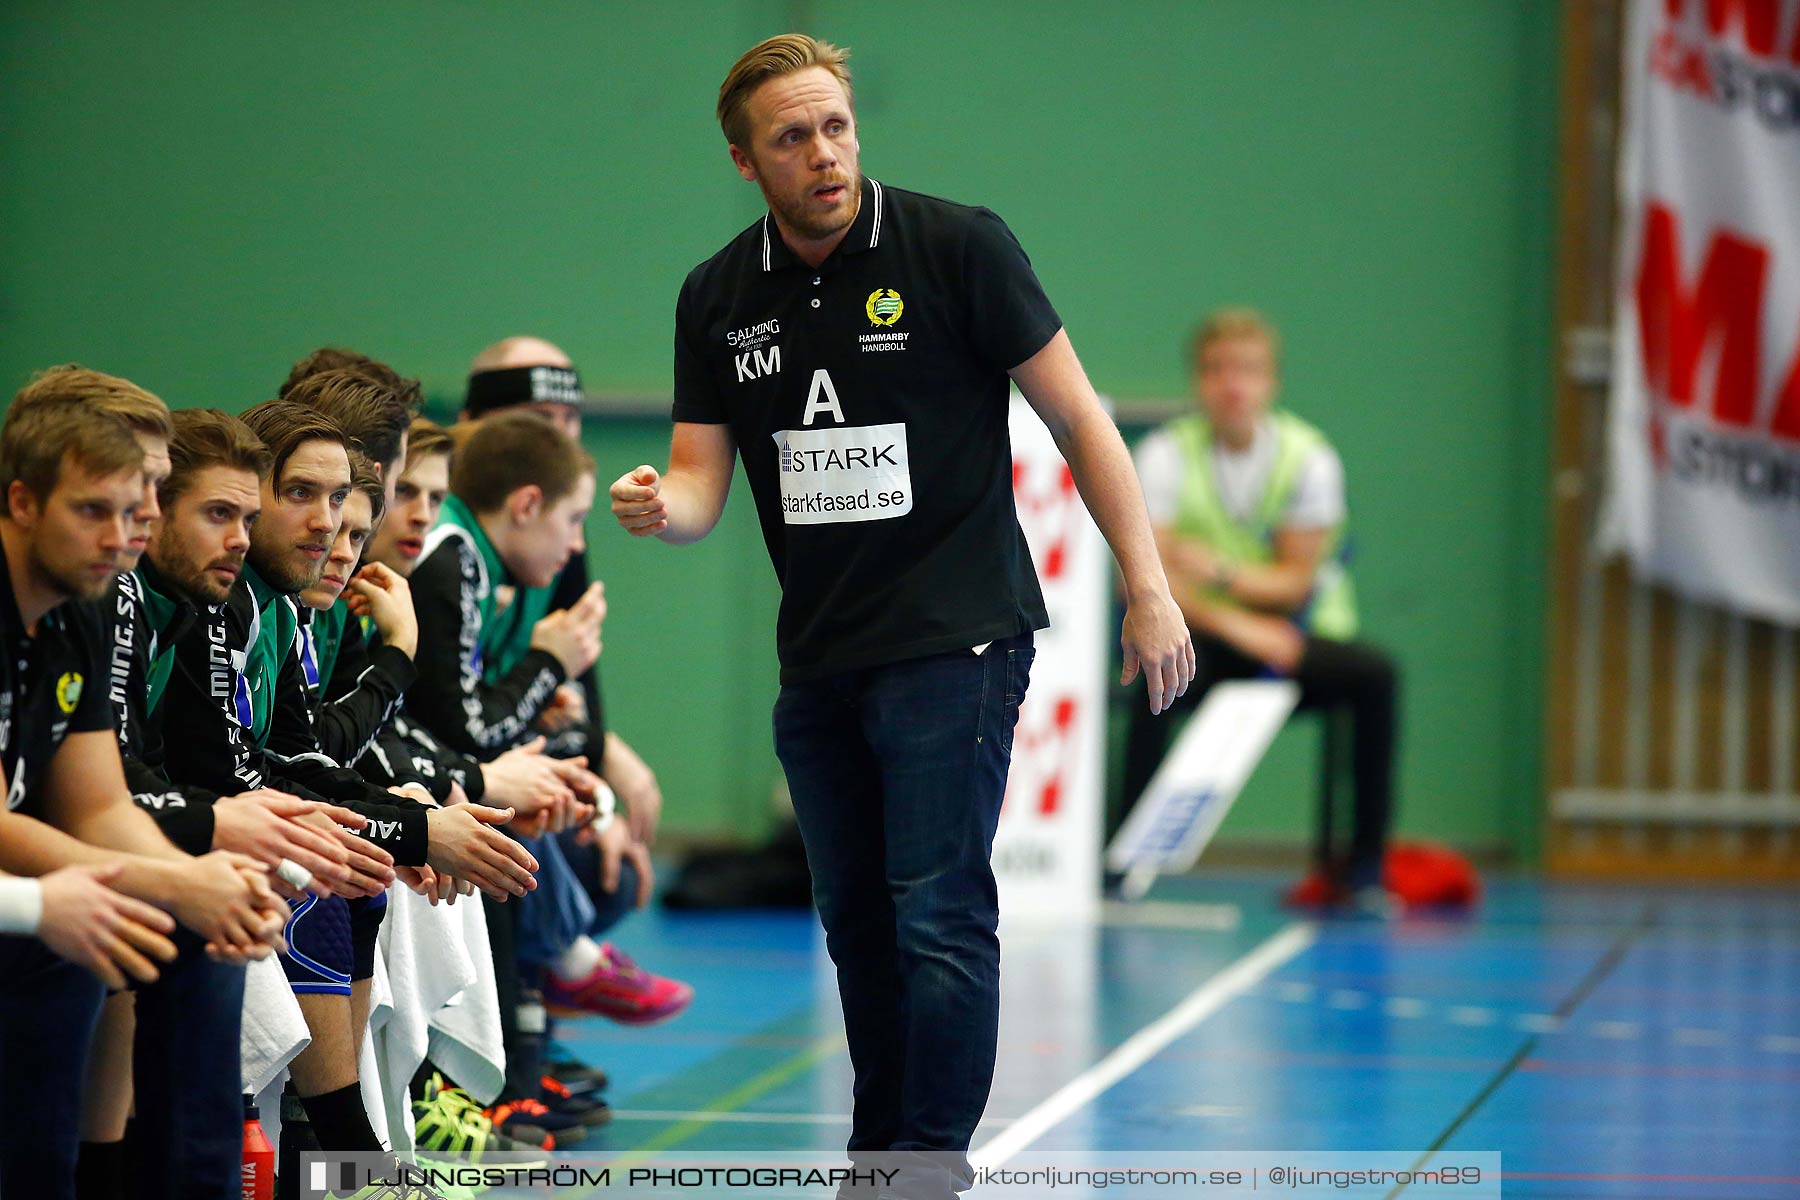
1200, 779
1047, 850
1704, 434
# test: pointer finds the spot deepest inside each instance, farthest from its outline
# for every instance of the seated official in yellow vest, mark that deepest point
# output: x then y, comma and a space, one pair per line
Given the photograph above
1247, 503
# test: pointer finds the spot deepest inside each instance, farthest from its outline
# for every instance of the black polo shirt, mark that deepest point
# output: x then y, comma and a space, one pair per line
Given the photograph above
868, 399
51, 685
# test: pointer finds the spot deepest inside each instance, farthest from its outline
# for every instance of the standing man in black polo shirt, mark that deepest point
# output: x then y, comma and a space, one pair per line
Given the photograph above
854, 346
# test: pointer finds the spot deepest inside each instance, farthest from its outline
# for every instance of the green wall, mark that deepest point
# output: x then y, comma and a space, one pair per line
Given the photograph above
194, 195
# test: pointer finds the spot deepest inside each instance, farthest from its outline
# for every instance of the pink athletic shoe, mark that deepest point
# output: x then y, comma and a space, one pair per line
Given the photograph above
620, 989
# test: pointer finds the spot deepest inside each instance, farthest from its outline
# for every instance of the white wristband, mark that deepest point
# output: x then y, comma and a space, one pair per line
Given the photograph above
605, 807
21, 905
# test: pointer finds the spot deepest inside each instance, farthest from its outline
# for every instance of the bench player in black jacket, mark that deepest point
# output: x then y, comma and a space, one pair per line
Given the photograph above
201, 493
74, 481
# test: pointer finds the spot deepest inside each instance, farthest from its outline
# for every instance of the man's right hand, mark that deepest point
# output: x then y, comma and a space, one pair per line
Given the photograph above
573, 634
371, 868
107, 932
382, 595
266, 825
436, 886
637, 502
464, 843
226, 899
527, 781
616, 844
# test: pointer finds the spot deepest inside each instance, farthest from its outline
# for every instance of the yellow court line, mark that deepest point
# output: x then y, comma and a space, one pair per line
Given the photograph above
751, 1089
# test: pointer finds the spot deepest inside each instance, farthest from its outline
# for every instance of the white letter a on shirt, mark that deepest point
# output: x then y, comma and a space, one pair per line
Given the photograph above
822, 398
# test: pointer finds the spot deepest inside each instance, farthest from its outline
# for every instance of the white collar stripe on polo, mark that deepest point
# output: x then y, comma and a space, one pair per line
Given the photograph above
768, 261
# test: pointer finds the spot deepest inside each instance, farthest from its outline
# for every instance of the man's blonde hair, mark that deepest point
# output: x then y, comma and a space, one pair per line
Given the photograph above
120, 399
425, 438
1231, 324
72, 414
766, 60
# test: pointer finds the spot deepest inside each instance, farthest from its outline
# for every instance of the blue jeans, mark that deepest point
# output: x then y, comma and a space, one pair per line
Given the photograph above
48, 1009
189, 1140
567, 902
609, 908
897, 773
190, 1111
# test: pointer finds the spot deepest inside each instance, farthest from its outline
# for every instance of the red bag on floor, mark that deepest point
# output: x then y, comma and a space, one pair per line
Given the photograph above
1418, 874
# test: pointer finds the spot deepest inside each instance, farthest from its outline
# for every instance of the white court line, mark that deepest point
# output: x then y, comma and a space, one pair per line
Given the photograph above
742, 1118
1619, 1031
1169, 914
1147, 1042
749, 1118
1472, 1015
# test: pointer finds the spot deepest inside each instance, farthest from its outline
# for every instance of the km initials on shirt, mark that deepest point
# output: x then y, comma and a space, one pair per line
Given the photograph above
754, 364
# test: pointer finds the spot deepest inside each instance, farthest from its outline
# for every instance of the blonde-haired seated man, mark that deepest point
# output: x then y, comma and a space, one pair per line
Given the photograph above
1247, 503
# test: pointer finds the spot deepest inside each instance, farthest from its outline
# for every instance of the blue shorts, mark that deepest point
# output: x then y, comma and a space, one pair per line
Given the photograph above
331, 942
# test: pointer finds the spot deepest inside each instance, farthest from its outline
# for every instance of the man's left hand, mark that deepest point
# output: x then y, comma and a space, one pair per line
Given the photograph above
1156, 637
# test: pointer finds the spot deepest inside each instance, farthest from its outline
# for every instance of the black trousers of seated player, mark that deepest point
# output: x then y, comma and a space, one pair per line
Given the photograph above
48, 1009
1356, 686
189, 1126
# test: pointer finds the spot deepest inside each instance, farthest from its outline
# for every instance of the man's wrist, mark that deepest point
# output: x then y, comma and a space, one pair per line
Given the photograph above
1146, 585
153, 882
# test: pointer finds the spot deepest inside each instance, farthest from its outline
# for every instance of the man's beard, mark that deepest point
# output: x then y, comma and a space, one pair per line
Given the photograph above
289, 573
194, 582
77, 584
208, 588
813, 227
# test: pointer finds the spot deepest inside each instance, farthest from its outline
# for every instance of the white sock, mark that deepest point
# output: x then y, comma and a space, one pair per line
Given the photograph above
579, 960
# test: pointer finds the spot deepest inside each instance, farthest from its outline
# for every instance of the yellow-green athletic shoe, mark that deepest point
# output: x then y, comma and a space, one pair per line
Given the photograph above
450, 1127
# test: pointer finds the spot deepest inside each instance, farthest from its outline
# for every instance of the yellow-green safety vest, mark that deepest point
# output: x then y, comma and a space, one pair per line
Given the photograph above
1331, 609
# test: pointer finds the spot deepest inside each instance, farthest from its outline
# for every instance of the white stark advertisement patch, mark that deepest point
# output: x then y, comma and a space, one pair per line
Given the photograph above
844, 473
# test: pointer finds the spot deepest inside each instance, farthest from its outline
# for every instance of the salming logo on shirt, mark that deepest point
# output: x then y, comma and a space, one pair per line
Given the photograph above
124, 630
226, 684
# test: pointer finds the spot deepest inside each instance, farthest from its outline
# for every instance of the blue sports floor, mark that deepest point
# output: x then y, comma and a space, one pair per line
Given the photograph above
1609, 1042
